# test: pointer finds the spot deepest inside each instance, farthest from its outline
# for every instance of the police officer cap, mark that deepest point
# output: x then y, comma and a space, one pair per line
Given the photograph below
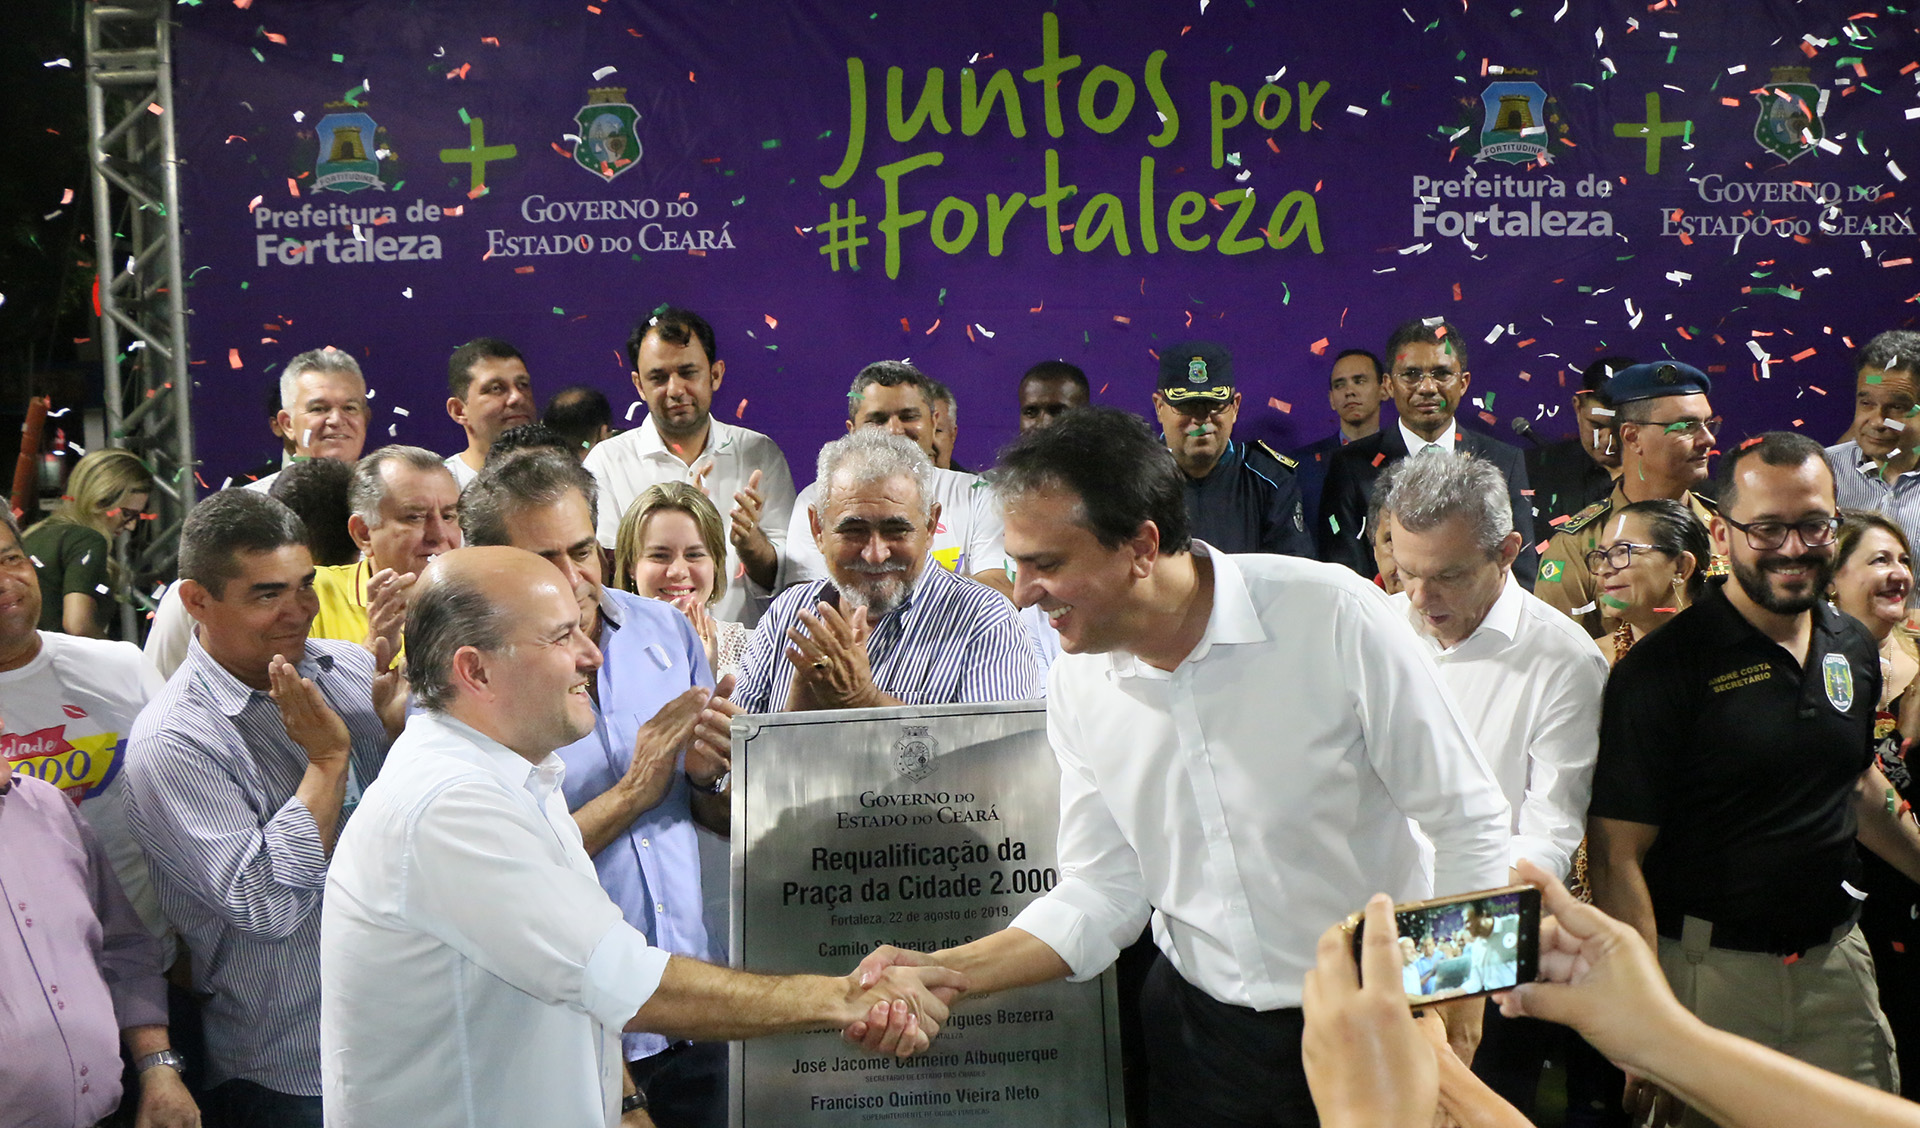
1651, 381
1196, 373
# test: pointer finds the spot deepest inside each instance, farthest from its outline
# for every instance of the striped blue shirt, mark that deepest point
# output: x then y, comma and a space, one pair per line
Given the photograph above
954, 640
237, 860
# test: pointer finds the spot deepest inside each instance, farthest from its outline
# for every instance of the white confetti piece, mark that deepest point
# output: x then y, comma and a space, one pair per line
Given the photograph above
1822, 272
1739, 68
1602, 411
1913, 112
401, 411
1563, 10
1357, 111
603, 72
984, 331
407, 293
1895, 424
1586, 609
1203, 6
1678, 276
1495, 334
1829, 144
1759, 353
1417, 249
1276, 75
63, 61
1866, 249
1608, 63
299, 115
631, 408
1894, 168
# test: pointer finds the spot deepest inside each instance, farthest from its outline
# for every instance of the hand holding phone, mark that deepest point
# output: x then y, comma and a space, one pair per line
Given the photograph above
1465, 945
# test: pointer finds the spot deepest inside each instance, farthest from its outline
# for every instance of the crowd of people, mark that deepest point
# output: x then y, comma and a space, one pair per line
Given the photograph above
414, 809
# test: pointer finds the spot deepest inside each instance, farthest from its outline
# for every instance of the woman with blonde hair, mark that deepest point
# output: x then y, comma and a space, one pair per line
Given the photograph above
72, 550
671, 547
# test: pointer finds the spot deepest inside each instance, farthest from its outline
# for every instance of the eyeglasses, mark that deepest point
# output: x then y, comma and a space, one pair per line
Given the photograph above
1414, 377
1765, 536
1619, 556
1690, 428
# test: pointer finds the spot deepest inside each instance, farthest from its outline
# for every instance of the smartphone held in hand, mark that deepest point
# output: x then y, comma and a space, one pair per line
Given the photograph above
1464, 945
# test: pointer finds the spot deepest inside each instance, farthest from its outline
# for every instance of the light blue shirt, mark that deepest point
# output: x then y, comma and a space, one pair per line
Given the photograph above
652, 869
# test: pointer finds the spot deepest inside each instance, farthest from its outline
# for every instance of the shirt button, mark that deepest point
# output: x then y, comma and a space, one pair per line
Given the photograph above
644, 842
658, 907
83, 1071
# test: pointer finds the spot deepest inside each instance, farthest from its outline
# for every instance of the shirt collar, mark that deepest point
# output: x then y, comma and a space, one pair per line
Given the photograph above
229, 694
1232, 620
1416, 444
719, 438
1503, 618
538, 780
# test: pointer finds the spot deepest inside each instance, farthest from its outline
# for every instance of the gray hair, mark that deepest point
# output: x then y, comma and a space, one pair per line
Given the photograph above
1435, 486
446, 613
1377, 501
524, 479
332, 361
889, 374
869, 455
223, 525
368, 487
943, 401
1896, 350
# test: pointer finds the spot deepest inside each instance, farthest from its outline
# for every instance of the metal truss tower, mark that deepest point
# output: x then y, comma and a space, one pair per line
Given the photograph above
142, 293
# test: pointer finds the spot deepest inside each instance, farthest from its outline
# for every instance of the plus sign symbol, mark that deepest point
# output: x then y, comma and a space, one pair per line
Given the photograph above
477, 154
1653, 131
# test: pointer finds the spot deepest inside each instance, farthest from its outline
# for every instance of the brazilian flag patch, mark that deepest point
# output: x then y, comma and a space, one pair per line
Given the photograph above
1550, 571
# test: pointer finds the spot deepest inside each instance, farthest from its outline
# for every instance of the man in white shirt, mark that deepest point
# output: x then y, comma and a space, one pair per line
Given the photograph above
676, 371
323, 409
1526, 677
488, 392
1243, 741
894, 396
473, 971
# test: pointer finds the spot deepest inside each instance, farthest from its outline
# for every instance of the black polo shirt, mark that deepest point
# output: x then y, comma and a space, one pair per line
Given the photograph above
1249, 503
1747, 763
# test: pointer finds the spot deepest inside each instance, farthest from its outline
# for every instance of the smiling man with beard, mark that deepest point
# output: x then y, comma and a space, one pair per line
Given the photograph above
885, 629
1736, 772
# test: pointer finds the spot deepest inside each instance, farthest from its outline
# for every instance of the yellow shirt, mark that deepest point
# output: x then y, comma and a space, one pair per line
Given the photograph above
342, 589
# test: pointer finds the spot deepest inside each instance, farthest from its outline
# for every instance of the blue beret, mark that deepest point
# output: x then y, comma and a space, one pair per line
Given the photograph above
1651, 381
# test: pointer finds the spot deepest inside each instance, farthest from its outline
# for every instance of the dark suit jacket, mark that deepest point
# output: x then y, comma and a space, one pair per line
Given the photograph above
1312, 473
1353, 469
1565, 480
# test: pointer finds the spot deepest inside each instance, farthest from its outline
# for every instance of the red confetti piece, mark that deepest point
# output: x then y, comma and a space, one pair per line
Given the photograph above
276, 37
1379, 458
1038, 308
931, 328
741, 413
772, 322
690, 77
1909, 68
156, 109
593, 9
970, 334
1489, 417
1749, 442
1804, 354
233, 358
293, 186
1794, 958
1898, 262
564, 153
477, 192
1280, 405
1899, 947
494, 40
1272, 144
1456, 291
458, 209
1560, 520
1319, 347
1523, 344
523, 270
1799, 422
1684, 335
1119, 320
1734, 102
903, 325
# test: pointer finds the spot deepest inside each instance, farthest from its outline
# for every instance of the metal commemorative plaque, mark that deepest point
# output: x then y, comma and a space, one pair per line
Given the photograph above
922, 827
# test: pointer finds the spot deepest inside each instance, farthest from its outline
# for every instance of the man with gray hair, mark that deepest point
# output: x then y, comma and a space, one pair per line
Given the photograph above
946, 427
323, 408
884, 628
1878, 470
404, 507
1525, 677
895, 397
240, 773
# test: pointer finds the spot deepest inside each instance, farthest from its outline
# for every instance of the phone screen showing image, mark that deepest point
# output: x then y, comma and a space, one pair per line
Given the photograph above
1474, 944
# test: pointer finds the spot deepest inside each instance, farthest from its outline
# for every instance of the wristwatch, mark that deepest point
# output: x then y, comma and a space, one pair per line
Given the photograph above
718, 787
172, 1059
632, 1101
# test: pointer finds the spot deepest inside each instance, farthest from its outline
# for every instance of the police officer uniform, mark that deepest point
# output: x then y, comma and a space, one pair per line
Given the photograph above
1747, 761
1250, 500
1564, 580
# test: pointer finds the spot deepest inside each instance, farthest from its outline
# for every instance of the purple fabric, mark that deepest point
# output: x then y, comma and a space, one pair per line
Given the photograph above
76, 965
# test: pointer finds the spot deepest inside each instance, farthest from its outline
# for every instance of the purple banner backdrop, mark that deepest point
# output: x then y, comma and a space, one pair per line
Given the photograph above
978, 187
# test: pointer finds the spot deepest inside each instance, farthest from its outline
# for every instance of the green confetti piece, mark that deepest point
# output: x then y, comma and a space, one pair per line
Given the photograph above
1621, 258
1489, 401
943, 295
257, 54
465, 118
1584, 85
770, 143
772, 348
559, 312
1875, 378
353, 96
824, 136
244, 285
635, 257
1672, 50
1286, 294
198, 269
1335, 522
739, 201
1386, 99
1870, 86
338, 58
1679, 426
1459, 56
1849, 60
397, 185
1610, 601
